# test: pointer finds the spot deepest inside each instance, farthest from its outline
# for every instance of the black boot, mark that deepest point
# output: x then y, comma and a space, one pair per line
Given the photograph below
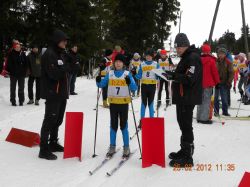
47, 154
54, 146
177, 155
186, 160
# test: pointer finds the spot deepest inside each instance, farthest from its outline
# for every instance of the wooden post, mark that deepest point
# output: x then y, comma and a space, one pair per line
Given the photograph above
244, 30
213, 22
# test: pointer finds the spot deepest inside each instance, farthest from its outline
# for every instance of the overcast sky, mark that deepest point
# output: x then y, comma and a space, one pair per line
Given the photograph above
197, 18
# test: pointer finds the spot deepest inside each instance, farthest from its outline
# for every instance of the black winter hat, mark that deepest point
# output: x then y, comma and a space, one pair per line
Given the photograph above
120, 57
108, 52
181, 40
59, 36
150, 52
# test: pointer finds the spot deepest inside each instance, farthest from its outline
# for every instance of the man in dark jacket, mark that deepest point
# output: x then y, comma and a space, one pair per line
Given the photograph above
54, 89
187, 92
74, 65
34, 75
17, 67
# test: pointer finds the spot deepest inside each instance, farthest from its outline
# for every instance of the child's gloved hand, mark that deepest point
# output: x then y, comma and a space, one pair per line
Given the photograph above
127, 79
98, 79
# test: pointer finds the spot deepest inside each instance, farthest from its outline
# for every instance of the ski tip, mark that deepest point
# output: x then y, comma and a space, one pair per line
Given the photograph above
108, 174
90, 173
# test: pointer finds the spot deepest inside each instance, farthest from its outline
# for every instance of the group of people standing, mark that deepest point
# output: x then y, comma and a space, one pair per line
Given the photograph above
54, 70
19, 66
193, 81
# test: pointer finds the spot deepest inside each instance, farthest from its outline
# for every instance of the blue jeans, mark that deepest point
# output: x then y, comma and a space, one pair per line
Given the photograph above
222, 92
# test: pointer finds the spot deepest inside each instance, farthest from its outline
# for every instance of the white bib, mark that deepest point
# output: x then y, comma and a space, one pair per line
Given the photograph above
117, 87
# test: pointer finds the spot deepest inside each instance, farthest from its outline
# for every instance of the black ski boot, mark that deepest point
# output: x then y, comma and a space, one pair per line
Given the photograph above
126, 153
111, 151
54, 146
186, 160
47, 154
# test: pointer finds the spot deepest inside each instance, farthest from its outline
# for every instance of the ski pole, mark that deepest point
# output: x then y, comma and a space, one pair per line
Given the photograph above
97, 102
135, 121
239, 105
158, 100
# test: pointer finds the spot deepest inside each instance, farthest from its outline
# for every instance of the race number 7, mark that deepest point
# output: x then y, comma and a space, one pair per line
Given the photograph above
118, 90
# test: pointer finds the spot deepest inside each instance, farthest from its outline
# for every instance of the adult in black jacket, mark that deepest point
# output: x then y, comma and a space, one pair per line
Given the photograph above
17, 67
54, 89
187, 92
34, 75
74, 65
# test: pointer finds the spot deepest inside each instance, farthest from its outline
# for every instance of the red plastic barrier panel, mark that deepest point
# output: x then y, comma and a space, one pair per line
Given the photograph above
153, 143
73, 135
245, 181
23, 137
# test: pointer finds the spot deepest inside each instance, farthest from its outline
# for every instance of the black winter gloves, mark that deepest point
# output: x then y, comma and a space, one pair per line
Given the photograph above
98, 79
169, 75
127, 79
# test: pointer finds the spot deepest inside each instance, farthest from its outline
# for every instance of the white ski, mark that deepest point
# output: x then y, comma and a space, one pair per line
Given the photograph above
119, 165
103, 163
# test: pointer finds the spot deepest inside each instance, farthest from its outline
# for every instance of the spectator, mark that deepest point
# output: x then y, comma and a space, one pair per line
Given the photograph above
17, 67
210, 79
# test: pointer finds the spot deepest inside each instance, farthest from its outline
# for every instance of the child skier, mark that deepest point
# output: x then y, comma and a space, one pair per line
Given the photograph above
134, 67
118, 82
165, 64
242, 68
105, 66
149, 81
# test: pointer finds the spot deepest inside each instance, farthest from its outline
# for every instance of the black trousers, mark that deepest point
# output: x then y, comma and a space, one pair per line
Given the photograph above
162, 83
118, 111
53, 118
30, 87
71, 81
138, 85
13, 83
185, 120
105, 93
148, 93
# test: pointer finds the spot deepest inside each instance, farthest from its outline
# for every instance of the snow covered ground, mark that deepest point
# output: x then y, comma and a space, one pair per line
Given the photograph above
214, 144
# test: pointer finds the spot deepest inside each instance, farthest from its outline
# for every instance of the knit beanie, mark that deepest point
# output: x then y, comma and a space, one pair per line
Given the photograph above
181, 40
